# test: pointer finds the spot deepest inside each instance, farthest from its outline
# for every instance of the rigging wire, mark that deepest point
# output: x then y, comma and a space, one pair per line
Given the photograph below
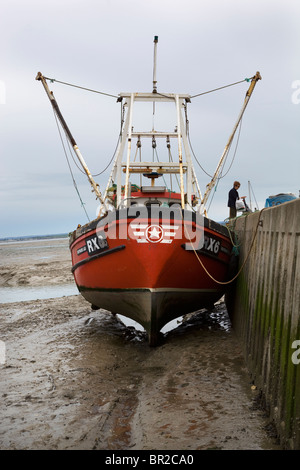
251, 190
73, 179
81, 87
235, 150
222, 87
103, 171
196, 159
233, 158
52, 80
210, 91
171, 160
187, 127
118, 141
101, 93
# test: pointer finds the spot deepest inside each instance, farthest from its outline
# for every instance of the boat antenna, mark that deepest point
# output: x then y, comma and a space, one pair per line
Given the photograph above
154, 65
249, 191
70, 137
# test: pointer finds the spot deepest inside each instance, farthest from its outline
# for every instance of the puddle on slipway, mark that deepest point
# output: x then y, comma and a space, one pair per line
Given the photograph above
214, 319
10, 294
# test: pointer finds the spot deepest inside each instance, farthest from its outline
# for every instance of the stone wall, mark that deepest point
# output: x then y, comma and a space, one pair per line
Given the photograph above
265, 311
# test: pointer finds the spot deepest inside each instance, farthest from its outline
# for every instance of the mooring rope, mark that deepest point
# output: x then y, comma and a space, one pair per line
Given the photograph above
244, 262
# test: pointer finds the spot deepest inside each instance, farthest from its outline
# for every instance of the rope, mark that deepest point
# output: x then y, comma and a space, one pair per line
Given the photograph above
236, 146
74, 182
171, 160
232, 160
97, 174
235, 245
101, 172
119, 139
235, 150
244, 262
113, 156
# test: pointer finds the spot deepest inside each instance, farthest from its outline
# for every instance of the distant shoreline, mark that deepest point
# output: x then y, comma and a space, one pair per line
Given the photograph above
34, 237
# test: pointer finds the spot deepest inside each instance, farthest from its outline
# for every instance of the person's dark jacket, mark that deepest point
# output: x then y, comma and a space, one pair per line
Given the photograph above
233, 195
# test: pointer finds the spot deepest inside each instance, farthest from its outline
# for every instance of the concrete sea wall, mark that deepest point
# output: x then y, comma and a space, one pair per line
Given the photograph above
265, 311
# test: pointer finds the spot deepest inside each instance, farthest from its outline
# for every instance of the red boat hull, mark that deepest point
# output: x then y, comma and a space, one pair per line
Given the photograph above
147, 269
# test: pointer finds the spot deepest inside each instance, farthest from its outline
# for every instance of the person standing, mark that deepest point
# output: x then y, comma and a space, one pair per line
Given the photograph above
233, 196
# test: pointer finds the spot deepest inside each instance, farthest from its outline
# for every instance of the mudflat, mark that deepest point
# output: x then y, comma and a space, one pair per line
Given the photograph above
35, 263
74, 378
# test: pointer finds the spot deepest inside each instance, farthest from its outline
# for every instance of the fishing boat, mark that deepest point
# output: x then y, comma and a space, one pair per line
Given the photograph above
152, 254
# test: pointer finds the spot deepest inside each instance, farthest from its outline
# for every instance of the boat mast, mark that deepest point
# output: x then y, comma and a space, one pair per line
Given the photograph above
213, 181
178, 104
154, 65
56, 109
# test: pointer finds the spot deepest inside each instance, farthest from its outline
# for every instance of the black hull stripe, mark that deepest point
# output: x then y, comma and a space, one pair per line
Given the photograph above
208, 255
99, 255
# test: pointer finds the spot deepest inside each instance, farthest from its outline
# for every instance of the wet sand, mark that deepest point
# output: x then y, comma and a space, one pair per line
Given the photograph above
35, 263
74, 378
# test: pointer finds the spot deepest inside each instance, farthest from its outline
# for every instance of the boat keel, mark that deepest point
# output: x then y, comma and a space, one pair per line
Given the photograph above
151, 308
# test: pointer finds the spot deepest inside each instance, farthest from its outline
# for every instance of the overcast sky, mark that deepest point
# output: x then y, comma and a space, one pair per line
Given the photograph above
107, 45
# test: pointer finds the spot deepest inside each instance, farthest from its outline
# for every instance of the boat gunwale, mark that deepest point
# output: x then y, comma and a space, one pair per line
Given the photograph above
93, 225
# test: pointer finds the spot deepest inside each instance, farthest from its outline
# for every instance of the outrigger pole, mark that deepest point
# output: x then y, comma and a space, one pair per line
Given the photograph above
212, 183
70, 137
